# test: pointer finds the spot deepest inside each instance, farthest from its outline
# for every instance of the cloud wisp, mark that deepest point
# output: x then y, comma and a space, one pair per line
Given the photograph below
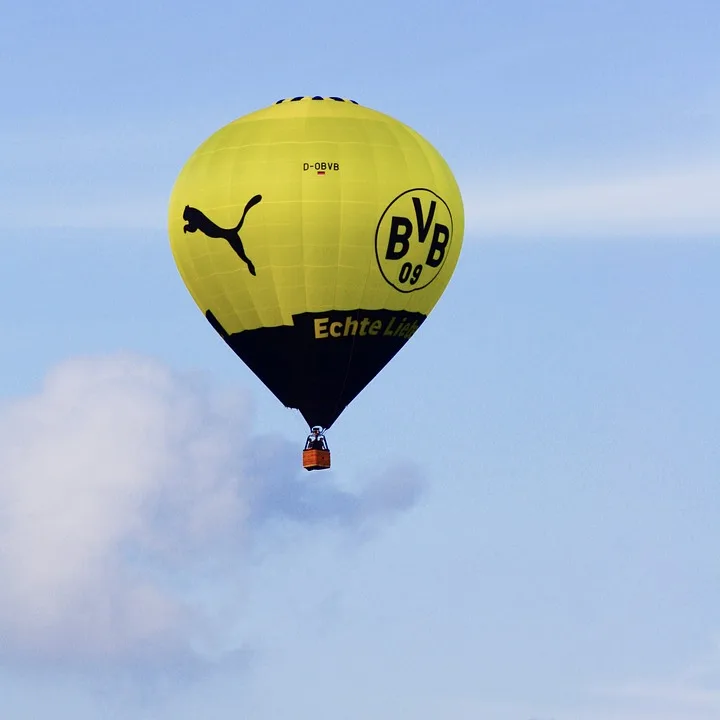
692, 693
67, 186
677, 202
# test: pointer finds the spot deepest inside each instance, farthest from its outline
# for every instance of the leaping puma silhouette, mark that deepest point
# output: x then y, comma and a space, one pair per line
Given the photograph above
197, 220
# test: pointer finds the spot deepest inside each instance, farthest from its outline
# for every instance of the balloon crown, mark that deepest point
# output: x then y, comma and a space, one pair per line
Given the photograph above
315, 97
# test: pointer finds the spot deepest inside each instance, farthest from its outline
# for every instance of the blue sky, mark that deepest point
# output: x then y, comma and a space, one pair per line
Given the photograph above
521, 522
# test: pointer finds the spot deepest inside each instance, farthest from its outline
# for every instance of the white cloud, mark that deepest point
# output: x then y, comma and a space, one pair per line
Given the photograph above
677, 202
122, 483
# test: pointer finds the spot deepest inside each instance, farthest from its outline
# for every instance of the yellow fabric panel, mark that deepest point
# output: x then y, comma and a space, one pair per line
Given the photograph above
312, 237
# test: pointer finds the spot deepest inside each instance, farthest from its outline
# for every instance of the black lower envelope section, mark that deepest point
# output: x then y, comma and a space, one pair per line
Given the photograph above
324, 360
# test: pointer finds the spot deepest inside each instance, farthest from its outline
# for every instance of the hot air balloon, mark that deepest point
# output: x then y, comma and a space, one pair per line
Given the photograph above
316, 235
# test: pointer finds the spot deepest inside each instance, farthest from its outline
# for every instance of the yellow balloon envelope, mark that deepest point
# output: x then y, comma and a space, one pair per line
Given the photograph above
316, 235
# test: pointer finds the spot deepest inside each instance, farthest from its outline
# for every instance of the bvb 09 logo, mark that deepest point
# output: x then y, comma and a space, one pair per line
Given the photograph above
412, 239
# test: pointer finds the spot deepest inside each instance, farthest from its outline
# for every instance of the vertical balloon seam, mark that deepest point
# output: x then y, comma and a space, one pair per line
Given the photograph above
235, 150
386, 300
411, 301
335, 301
271, 260
303, 238
337, 407
393, 130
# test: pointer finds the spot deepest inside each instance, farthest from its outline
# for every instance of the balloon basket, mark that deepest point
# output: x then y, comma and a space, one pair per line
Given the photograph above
316, 459
316, 455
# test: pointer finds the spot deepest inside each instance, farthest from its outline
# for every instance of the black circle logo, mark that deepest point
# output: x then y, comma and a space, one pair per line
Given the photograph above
412, 239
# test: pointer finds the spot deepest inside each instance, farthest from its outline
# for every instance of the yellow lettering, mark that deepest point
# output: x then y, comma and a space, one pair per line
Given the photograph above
350, 324
398, 326
411, 330
321, 327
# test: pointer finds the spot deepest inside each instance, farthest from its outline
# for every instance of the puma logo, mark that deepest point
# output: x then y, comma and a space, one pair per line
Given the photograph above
197, 220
